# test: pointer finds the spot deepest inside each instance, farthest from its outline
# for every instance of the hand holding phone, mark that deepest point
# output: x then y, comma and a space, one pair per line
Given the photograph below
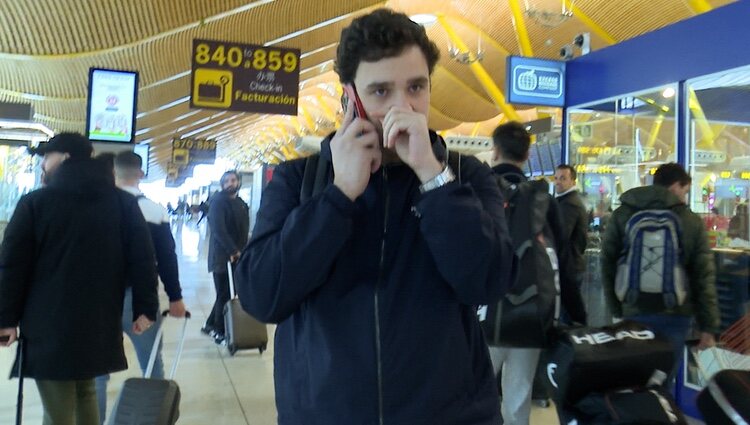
355, 150
351, 93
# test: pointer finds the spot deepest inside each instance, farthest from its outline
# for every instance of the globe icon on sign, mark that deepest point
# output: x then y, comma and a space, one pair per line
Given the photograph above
528, 81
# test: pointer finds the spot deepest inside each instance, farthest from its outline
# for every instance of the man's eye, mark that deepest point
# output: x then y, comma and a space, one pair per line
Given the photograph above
380, 92
416, 87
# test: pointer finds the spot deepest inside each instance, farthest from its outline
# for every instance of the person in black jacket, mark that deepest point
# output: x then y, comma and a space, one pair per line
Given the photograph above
229, 222
128, 174
574, 217
374, 281
519, 364
69, 251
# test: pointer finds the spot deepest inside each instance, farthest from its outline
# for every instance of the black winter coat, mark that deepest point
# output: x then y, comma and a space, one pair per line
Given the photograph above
376, 298
68, 251
575, 226
229, 221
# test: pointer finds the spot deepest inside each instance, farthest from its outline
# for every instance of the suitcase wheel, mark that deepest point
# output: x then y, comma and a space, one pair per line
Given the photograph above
262, 348
232, 349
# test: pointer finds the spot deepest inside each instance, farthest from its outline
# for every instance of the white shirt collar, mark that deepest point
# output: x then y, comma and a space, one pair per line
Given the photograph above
133, 190
574, 188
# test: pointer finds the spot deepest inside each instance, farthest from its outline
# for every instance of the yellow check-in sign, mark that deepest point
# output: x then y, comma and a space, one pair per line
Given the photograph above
212, 88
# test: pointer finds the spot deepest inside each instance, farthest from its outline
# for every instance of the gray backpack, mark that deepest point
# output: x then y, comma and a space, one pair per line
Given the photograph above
650, 266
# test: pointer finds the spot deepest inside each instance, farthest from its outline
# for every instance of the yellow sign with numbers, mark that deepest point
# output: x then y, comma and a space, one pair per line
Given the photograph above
245, 77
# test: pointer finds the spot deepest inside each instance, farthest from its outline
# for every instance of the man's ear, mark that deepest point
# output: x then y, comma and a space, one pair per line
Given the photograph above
66, 156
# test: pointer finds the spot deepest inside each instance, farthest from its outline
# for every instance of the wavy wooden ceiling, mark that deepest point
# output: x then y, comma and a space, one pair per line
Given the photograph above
47, 47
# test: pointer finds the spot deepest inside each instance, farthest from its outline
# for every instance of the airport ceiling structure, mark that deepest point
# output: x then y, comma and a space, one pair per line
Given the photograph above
48, 46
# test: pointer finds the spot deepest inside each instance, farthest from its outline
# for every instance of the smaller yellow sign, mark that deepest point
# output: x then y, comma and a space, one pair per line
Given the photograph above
725, 174
212, 88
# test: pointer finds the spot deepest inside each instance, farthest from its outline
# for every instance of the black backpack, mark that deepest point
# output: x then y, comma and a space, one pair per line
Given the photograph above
526, 316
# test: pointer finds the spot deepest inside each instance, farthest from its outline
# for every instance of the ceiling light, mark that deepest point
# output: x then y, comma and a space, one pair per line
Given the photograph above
668, 92
424, 19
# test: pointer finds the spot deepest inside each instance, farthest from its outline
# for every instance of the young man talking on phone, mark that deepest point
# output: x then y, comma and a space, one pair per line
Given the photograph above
374, 280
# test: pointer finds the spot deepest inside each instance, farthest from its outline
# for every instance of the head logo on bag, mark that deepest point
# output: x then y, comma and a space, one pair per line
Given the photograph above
650, 267
605, 337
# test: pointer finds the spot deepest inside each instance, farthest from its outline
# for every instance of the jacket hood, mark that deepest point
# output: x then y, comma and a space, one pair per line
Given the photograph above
510, 173
650, 197
438, 146
87, 178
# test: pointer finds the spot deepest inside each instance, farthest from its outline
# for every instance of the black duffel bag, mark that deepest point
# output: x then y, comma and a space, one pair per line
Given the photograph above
587, 360
645, 406
726, 398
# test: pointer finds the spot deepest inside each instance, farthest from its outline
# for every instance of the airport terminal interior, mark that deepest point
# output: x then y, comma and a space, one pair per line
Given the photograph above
199, 87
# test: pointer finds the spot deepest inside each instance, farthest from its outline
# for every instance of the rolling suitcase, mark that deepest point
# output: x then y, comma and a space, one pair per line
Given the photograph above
242, 331
147, 401
726, 398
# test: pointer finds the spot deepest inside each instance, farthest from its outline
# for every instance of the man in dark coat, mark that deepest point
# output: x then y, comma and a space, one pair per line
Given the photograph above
374, 281
574, 219
229, 222
68, 251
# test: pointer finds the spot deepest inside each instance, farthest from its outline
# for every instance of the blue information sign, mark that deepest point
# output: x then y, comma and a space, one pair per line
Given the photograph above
533, 81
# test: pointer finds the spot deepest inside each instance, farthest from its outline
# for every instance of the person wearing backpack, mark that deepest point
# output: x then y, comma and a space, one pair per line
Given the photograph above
655, 229
518, 327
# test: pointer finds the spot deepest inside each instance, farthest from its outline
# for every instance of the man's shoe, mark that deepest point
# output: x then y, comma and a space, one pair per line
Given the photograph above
208, 330
219, 339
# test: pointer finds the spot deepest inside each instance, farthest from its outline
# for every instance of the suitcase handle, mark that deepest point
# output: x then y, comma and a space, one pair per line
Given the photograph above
230, 272
155, 348
19, 401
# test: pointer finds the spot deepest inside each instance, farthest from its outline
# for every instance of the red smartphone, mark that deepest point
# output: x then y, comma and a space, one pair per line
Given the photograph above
351, 92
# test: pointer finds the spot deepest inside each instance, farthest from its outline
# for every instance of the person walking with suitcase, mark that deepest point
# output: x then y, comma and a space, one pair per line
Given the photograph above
229, 222
67, 255
516, 339
128, 174
657, 266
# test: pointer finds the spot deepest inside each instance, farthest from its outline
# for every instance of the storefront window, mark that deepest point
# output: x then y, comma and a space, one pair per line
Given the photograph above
616, 145
719, 159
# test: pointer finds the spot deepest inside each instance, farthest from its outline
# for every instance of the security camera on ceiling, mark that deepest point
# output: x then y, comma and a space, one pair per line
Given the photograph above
566, 52
583, 42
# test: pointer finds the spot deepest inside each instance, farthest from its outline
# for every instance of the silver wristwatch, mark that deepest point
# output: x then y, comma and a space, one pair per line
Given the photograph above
446, 176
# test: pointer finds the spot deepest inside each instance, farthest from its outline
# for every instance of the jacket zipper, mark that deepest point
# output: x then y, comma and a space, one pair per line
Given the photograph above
377, 306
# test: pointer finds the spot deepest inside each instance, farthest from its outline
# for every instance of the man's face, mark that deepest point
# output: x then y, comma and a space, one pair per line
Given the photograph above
51, 163
680, 191
231, 184
563, 181
402, 80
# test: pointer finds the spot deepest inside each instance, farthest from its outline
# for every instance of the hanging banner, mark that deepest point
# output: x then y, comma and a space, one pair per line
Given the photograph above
245, 77
193, 151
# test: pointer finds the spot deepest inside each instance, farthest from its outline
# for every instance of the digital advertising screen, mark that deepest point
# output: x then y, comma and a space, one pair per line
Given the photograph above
143, 152
112, 103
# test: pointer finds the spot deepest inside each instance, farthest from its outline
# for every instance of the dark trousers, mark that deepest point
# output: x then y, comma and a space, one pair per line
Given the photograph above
216, 318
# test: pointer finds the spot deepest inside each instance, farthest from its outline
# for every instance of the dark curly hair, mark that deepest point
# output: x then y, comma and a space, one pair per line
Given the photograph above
381, 34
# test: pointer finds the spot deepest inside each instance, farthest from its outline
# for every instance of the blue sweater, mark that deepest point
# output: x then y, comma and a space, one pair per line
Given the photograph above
375, 298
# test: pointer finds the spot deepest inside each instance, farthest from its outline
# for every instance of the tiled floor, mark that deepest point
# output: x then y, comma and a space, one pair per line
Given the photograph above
217, 389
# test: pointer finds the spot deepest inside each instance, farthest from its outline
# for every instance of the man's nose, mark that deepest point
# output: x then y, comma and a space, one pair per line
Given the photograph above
401, 100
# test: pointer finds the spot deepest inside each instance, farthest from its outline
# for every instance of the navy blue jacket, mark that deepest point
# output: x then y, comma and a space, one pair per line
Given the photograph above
375, 298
